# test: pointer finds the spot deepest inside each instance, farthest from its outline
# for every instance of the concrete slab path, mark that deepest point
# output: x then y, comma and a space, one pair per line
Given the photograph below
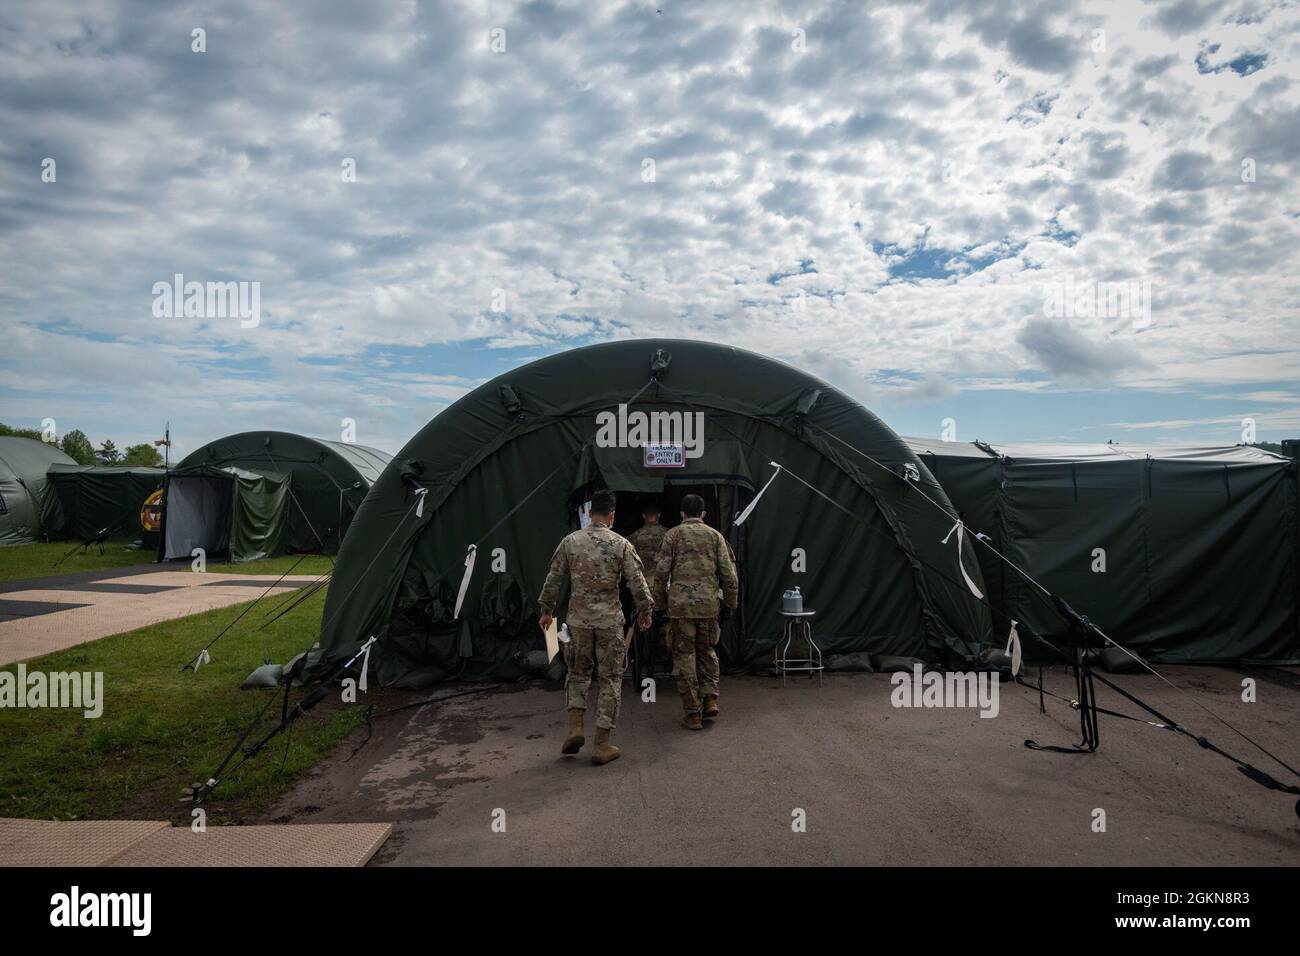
46, 615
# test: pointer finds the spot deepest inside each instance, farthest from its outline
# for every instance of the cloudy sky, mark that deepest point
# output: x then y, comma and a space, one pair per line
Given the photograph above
1058, 220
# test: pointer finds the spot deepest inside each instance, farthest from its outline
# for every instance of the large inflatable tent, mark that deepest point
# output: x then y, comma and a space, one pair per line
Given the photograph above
508, 468
1182, 554
23, 464
82, 500
261, 493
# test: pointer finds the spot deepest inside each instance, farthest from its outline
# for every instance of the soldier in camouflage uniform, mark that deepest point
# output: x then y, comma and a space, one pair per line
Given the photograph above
647, 540
695, 562
594, 559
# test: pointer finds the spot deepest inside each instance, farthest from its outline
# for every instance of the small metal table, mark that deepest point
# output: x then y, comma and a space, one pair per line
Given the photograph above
798, 624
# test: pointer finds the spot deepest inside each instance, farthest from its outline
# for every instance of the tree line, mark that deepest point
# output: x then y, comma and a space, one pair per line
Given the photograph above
78, 447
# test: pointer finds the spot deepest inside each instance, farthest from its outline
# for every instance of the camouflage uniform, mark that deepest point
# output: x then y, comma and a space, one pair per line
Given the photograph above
594, 559
647, 540
694, 561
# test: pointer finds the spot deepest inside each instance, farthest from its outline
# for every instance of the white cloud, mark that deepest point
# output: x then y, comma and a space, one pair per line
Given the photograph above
913, 180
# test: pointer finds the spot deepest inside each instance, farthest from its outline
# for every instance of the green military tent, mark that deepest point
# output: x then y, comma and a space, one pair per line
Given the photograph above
23, 464
241, 513
508, 467
1182, 554
82, 500
313, 488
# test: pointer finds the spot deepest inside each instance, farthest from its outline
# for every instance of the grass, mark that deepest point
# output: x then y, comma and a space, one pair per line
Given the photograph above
163, 728
37, 561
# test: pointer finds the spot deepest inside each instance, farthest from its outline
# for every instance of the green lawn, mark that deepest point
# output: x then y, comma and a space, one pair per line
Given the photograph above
163, 728
37, 561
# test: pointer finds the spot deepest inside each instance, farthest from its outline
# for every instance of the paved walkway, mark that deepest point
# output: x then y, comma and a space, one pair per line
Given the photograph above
153, 843
44, 615
479, 780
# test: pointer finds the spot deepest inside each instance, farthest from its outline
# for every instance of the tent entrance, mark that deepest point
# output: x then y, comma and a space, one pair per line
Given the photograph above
198, 515
723, 502
627, 518
720, 475
230, 510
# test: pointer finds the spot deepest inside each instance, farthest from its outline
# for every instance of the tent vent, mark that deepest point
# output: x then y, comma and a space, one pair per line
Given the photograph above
807, 401
514, 407
659, 362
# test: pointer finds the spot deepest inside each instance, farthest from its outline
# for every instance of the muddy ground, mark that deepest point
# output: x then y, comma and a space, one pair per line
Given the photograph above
877, 784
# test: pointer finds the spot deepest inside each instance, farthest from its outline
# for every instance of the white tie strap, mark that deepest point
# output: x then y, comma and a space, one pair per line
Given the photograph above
749, 509
1013, 648
960, 528
365, 664
464, 581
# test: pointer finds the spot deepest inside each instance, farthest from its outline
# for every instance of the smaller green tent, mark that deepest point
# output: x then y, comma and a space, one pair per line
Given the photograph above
1183, 554
23, 464
81, 500
234, 511
329, 479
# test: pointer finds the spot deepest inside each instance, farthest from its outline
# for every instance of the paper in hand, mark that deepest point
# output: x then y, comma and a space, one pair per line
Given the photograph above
552, 642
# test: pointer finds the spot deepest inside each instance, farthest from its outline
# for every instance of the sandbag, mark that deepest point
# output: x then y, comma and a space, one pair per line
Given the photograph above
268, 675
532, 662
888, 664
859, 661
1117, 661
995, 657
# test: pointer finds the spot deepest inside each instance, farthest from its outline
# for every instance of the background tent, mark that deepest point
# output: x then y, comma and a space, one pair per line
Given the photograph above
23, 464
507, 467
329, 480
1199, 544
79, 500
225, 510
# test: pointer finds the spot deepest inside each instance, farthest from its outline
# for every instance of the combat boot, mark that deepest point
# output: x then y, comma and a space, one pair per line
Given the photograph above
692, 722
603, 751
710, 706
573, 743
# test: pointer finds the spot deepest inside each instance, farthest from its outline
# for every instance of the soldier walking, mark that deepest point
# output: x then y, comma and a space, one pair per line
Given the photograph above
695, 564
594, 559
647, 540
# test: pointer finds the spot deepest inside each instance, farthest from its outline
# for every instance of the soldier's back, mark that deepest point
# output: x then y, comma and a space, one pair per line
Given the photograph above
696, 546
691, 556
647, 540
596, 558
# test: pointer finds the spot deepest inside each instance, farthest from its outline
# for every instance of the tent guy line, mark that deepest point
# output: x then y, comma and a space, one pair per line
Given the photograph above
1069, 616
1084, 674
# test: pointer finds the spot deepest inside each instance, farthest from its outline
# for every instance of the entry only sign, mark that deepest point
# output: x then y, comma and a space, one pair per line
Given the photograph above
664, 454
